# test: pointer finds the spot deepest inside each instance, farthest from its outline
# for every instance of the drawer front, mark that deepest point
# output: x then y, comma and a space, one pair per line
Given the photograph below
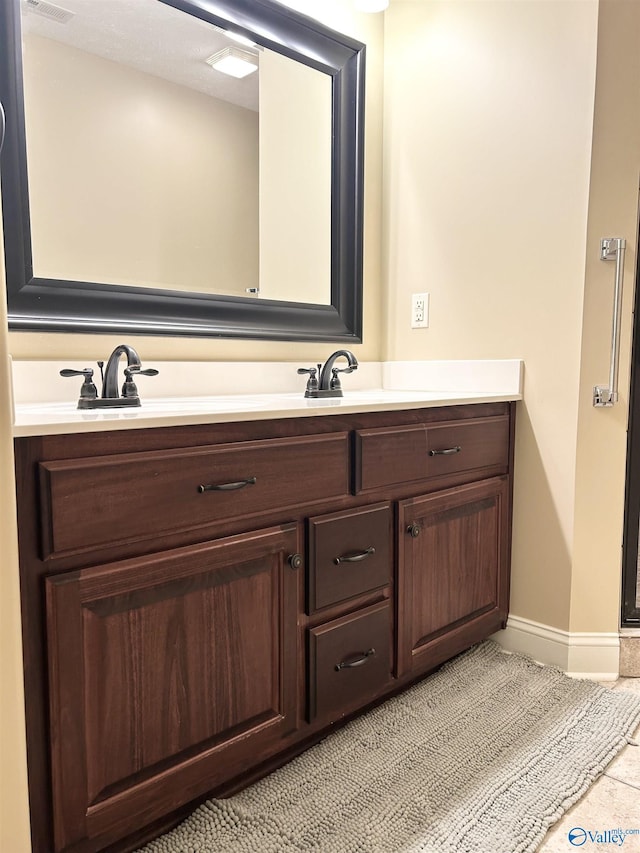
349, 660
349, 554
467, 445
390, 455
110, 500
386, 457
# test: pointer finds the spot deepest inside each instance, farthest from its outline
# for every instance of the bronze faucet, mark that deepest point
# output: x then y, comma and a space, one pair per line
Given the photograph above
110, 397
324, 380
110, 380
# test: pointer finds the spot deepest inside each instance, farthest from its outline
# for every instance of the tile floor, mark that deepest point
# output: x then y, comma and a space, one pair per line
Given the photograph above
613, 802
630, 656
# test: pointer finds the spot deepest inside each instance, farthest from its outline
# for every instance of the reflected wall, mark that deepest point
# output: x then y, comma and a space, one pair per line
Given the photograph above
137, 180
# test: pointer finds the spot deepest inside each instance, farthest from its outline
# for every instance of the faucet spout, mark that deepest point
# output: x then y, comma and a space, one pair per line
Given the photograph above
110, 383
329, 373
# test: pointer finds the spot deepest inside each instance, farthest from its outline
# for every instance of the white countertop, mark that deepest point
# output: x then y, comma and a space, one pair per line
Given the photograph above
402, 385
58, 418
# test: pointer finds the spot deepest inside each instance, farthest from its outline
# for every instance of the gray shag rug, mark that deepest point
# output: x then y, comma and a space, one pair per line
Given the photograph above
483, 756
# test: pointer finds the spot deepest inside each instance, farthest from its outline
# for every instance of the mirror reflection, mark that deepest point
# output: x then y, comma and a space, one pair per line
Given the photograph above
150, 167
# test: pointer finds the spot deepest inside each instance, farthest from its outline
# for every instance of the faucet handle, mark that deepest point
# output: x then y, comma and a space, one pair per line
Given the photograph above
334, 384
312, 382
136, 368
88, 391
129, 388
86, 371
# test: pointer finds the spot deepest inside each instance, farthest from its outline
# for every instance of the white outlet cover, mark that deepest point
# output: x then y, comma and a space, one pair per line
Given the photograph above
420, 311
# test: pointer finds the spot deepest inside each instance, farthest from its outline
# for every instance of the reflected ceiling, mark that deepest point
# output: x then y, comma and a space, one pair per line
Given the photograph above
116, 30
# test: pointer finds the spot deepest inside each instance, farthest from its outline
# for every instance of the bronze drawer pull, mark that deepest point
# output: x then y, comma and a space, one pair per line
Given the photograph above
360, 659
355, 557
228, 487
448, 452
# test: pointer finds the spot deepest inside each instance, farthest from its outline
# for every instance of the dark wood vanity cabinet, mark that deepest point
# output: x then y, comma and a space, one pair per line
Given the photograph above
201, 601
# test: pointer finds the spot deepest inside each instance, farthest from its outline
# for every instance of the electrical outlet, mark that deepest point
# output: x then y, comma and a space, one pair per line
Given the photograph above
420, 311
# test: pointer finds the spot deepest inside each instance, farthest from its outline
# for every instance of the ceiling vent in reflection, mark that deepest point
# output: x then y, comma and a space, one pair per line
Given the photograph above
49, 10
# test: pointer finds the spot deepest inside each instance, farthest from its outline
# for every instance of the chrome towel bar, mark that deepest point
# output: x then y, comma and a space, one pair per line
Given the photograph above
612, 249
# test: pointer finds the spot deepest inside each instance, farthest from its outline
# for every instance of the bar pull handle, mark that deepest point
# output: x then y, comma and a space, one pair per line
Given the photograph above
612, 249
358, 660
356, 557
228, 487
449, 451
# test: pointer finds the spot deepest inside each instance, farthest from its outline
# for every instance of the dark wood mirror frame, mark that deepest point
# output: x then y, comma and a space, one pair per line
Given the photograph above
51, 305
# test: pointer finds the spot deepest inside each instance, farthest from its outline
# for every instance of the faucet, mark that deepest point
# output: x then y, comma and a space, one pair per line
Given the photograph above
110, 380
111, 397
331, 382
324, 380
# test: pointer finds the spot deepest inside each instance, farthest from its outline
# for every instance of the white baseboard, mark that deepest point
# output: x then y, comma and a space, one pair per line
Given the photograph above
579, 654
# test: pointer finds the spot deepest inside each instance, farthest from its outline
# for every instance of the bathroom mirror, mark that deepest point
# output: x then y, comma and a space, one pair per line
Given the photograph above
269, 246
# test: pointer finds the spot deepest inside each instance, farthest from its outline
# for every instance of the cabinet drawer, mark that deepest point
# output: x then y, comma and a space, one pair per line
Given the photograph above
398, 455
349, 554
468, 445
110, 500
349, 660
391, 455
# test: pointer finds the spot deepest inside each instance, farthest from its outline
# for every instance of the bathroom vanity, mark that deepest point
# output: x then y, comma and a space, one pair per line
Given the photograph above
206, 593
201, 601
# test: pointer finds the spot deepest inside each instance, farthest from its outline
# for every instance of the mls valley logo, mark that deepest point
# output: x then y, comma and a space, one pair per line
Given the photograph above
579, 836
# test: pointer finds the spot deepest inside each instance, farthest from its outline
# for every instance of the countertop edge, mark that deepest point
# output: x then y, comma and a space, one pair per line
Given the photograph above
126, 419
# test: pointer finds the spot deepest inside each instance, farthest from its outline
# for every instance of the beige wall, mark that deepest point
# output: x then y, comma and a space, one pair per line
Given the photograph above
498, 190
487, 146
613, 212
14, 812
135, 179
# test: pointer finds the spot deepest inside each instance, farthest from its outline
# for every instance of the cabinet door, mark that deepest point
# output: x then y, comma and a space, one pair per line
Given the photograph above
168, 675
453, 571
